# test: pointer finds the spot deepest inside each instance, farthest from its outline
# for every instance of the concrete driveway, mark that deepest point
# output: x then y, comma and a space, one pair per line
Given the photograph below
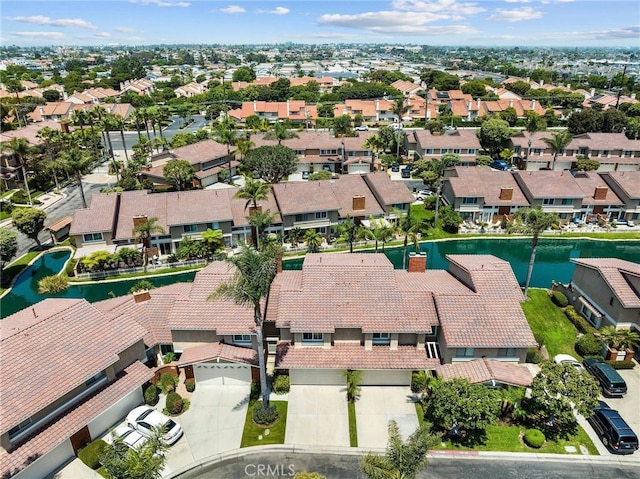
377, 406
212, 424
317, 416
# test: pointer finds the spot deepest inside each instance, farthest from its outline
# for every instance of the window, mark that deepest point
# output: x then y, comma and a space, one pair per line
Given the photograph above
537, 151
548, 201
299, 152
381, 338
214, 226
328, 152
611, 301
444, 150
20, 427
321, 215
470, 201
429, 151
627, 154
516, 150
472, 151
604, 153
312, 337
456, 151
190, 228
301, 217
89, 237
464, 352
566, 201
242, 338
506, 352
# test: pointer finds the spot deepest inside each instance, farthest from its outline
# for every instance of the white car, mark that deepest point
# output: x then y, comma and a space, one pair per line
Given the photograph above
145, 419
130, 436
361, 128
423, 194
568, 359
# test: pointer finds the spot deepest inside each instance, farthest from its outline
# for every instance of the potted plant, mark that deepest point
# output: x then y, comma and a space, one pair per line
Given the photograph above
619, 340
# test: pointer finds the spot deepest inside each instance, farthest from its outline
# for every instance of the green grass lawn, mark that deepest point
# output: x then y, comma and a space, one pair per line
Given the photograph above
353, 428
252, 432
549, 324
507, 439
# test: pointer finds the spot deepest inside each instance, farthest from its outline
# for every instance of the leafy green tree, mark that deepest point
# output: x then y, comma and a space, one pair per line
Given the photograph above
145, 462
321, 175
450, 219
308, 475
534, 123
280, 131
8, 246
483, 160
558, 142
254, 273
342, 125
225, 133
493, 135
313, 239
519, 87
212, 241
29, 221
510, 115
403, 459
476, 88
180, 172
55, 283
348, 232
472, 407
78, 162
272, 163
243, 74
587, 164
533, 221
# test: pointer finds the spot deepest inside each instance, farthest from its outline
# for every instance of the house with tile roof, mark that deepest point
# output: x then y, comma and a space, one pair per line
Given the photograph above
626, 185
429, 316
295, 111
488, 372
599, 200
606, 291
141, 86
423, 144
82, 389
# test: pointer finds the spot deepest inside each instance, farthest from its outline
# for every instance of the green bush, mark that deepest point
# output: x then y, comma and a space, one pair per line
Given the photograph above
69, 269
419, 381
151, 395
167, 382
534, 438
578, 320
588, 345
281, 384
254, 395
621, 364
190, 384
175, 403
559, 299
265, 416
533, 356
92, 453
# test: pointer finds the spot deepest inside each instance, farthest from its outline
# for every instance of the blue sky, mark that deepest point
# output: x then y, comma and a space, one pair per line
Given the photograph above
432, 22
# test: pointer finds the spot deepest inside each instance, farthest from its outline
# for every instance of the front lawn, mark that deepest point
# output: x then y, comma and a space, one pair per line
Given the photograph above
353, 428
507, 439
254, 435
549, 324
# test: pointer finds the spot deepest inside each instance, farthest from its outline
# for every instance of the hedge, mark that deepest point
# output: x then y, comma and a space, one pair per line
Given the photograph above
175, 403
167, 382
534, 438
559, 299
281, 384
265, 417
92, 453
621, 364
588, 345
151, 395
190, 384
578, 320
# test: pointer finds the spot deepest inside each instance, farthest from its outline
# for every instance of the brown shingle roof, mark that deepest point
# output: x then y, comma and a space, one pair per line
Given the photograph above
588, 182
486, 183
386, 191
98, 217
627, 181
305, 197
486, 370
548, 184
614, 272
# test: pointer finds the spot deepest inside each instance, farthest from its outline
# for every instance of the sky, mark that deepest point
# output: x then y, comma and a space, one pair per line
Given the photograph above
554, 23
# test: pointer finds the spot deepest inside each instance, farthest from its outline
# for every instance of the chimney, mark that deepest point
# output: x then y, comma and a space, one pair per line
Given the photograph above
506, 193
469, 105
533, 104
141, 296
417, 262
358, 203
478, 104
279, 264
252, 210
436, 133
64, 126
600, 193
541, 82
592, 92
511, 103
138, 220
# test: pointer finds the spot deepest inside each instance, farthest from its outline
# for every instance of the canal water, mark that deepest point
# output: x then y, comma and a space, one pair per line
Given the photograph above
552, 263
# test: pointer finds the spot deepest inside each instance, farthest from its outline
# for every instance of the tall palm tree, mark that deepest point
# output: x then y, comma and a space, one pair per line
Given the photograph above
143, 233
76, 161
244, 146
533, 221
399, 108
254, 273
380, 232
410, 228
261, 221
253, 191
119, 124
225, 133
375, 143
348, 232
558, 142
280, 132
52, 142
20, 148
313, 239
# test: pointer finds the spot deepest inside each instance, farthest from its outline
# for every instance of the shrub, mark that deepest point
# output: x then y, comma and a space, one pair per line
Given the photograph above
174, 403
92, 453
264, 416
169, 357
533, 356
534, 438
621, 364
151, 396
281, 384
588, 345
69, 269
190, 384
578, 320
167, 383
559, 298
254, 395
419, 381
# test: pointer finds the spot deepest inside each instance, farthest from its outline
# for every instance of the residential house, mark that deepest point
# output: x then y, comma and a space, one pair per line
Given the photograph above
488, 372
295, 111
190, 89
422, 144
142, 86
428, 317
626, 185
606, 292
599, 200
86, 387
409, 89
93, 96
522, 107
555, 191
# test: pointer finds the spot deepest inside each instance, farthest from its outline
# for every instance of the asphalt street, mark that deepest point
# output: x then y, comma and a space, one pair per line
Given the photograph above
131, 137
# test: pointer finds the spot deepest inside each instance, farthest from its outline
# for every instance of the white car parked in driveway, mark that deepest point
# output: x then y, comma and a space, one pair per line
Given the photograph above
145, 419
568, 359
130, 436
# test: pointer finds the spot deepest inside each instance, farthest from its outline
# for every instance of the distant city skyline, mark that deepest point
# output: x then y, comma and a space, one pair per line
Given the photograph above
543, 23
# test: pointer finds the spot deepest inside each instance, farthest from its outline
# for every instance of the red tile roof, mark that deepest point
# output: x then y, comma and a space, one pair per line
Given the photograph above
352, 356
588, 182
98, 217
226, 352
487, 184
386, 191
132, 377
490, 276
548, 184
64, 333
486, 370
616, 273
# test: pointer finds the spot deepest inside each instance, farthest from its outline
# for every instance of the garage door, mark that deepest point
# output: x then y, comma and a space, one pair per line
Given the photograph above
318, 377
386, 378
222, 373
355, 168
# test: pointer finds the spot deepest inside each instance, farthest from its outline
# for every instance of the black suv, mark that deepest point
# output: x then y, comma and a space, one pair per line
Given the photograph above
610, 381
614, 432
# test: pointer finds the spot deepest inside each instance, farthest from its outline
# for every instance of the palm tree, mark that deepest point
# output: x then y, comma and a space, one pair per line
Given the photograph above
411, 228
119, 124
143, 233
403, 459
399, 108
620, 339
533, 221
534, 123
78, 162
254, 273
280, 132
52, 141
381, 233
253, 191
294, 236
313, 239
261, 221
225, 133
20, 148
244, 146
348, 232
354, 384
375, 143
558, 142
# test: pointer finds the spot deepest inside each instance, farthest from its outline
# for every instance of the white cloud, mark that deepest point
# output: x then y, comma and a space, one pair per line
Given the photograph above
52, 35
515, 15
280, 11
449, 7
629, 32
161, 3
124, 29
61, 22
95, 36
233, 9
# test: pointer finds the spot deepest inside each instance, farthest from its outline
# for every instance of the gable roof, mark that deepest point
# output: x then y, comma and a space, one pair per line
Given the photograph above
486, 370
616, 272
486, 183
548, 184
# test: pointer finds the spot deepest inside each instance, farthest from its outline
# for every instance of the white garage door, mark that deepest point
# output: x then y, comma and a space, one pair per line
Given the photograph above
356, 168
317, 377
386, 378
222, 373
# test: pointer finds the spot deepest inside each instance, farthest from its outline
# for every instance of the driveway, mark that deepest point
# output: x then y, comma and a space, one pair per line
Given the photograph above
317, 416
212, 424
377, 406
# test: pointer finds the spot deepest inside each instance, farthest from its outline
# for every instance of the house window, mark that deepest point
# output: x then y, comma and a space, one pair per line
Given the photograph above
321, 215
516, 150
471, 151
470, 200
429, 151
464, 352
382, 338
506, 352
242, 338
456, 151
328, 152
301, 217
566, 201
90, 237
627, 154
604, 153
299, 152
611, 301
548, 201
214, 226
312, 338
537, 151
20, 427
190, 228
444, 150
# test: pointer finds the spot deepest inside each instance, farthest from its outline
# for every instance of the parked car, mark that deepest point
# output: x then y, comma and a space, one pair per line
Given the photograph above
130, 436
405, 173
499, 165
361, 128
613, 430
145, 419
423, 194
610, 381
305, 175
568, 359
395, 167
